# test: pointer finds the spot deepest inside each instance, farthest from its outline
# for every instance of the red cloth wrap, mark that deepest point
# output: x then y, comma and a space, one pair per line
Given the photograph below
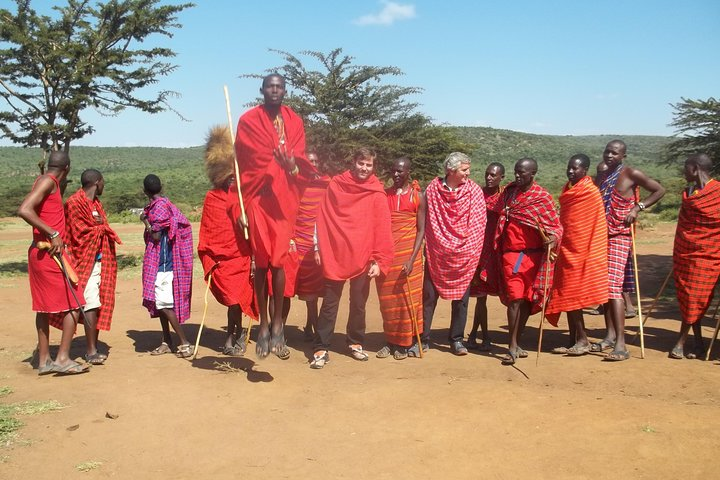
271, 195
48, 286
310, 282
85, 238
533, 209
454, 234
486, 280
696, 253
223, 246
353, 227
581, 270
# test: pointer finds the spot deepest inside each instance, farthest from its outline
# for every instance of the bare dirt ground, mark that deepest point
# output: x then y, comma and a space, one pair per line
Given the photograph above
439, 417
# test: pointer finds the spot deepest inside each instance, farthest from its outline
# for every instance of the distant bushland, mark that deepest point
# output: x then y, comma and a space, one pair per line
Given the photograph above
183, 175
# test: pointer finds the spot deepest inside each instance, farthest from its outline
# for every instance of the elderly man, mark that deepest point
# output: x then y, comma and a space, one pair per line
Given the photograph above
270, 148
528, 229
696, 254
400, 291
354, 243
618, 186
454, 233
581, 270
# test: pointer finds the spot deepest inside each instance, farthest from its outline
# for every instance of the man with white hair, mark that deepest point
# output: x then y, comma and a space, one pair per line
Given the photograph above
454, 233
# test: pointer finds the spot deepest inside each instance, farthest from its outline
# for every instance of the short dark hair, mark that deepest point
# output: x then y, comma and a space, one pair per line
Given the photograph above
499, 165
58, 159
529, 160
701, 160
406, 160
272, 75
584, 160
619, 142
152, 184
89, 177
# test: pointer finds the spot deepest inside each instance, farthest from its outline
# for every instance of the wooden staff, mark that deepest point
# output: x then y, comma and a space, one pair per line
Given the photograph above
544, 300
652, 306
202, 323
70, 271
413, 317
715, 335
237, 169
637, 292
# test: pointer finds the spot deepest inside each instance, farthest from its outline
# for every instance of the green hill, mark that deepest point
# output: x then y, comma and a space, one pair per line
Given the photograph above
182, 172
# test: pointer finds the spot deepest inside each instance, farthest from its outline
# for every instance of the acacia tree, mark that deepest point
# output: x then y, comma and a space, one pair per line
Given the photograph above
698, 123
346, 106
52, 68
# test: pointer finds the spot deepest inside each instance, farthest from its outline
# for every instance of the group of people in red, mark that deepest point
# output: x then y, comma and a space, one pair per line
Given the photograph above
287, 229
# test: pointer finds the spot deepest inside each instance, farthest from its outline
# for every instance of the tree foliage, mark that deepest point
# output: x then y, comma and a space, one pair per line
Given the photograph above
346, 106
697, 122
86, 55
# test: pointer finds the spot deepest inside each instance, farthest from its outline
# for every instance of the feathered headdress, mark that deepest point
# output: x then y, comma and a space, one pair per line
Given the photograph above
219, 156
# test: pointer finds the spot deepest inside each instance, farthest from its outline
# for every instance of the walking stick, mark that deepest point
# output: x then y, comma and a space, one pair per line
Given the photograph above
413, 317
715, 335
637, 292
545, 292
652, 307
237, 169
202, 323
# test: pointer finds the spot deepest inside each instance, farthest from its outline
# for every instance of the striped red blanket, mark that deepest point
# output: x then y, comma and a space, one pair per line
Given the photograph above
310, 280
696, 253
454, 234
580, 278
486, 280
398, 293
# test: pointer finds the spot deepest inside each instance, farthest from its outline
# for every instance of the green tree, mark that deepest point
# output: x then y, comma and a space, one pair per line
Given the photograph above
86, 55
697, 122
346, 106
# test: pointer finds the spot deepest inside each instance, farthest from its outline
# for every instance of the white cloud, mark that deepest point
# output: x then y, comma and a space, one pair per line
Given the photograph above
390, 13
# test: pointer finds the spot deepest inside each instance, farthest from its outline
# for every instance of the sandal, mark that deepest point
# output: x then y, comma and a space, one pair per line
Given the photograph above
96, 358
384, 352
578, 350
233, 351
510, 357
319, 360
262, 346
162, 349
71, 368
677, 353
356, 352
617, 356
185, 350
49, 367
283, 353
560, 350
400, 353
601, 346
472, 343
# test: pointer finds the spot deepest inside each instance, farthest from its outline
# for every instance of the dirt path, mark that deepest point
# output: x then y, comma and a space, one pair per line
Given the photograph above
439, 417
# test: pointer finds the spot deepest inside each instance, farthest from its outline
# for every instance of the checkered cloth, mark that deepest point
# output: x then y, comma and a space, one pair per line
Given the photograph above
454, 234
162, 214
696, 253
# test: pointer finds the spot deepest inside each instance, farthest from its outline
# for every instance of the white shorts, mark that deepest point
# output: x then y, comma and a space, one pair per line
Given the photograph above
92, 289
164, 290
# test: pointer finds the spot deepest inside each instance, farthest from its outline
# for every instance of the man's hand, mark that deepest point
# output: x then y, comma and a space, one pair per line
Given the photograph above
286, 161
374, 270
242, 221
407, 268
631, 216
317, 258
56, 246
551, 241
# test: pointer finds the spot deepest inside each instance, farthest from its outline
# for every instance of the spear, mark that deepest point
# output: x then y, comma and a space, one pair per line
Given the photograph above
235, 164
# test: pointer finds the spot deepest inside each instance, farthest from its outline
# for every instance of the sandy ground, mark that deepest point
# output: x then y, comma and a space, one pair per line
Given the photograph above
439, 417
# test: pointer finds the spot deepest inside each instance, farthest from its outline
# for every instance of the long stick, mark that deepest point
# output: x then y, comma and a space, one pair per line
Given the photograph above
544, 300
59, 260
202, 323
637, 292
235, 164
413, 317
715, 335
652, 306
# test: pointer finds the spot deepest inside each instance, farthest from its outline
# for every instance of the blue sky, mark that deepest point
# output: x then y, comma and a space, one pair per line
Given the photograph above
550, 67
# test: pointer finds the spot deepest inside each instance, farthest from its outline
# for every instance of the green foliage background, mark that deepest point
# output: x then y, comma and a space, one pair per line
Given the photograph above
183, 176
